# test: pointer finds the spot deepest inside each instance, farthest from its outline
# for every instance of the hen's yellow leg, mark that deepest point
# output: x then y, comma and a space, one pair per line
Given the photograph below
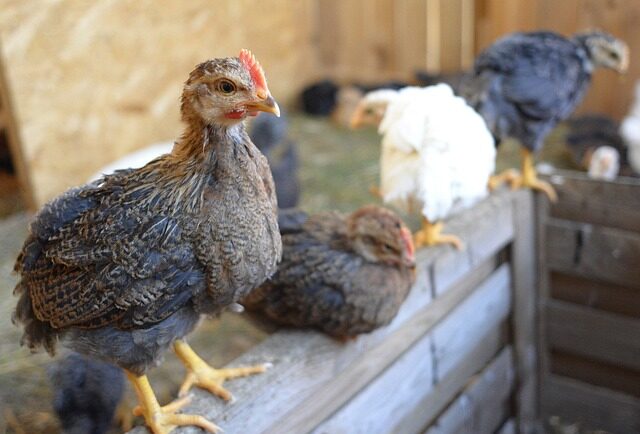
529, 178
431, 235
199, 373
163, 420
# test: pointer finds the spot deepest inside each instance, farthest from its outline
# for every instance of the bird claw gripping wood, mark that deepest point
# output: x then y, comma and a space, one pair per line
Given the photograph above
202, 375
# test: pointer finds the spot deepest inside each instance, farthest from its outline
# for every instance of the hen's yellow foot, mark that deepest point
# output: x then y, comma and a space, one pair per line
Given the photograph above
202, 375
529, 178
509, 176
431, 235
163, 420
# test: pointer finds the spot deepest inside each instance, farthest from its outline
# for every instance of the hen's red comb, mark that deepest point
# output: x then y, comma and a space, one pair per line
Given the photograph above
255, 70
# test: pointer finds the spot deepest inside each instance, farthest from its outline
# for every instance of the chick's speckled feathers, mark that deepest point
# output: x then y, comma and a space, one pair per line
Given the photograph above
345, 275
192, 231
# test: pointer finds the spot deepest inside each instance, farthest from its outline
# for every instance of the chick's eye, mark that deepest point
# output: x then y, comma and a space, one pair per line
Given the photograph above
369, 111
225, 86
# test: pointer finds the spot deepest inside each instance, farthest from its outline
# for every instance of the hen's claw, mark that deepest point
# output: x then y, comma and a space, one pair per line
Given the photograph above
202, 375
431, 235
163, 420
509, 176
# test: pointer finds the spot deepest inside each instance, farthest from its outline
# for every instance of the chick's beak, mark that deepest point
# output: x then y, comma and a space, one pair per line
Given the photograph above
265, 103
356, 120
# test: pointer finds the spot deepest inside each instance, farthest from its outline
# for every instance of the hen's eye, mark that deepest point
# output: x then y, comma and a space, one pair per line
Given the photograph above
225, 86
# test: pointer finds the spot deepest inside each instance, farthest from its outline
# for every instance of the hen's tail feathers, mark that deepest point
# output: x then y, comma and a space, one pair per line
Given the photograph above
36, 334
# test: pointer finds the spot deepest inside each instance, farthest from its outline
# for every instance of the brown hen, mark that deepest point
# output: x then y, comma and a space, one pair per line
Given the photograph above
123, 268
344, 275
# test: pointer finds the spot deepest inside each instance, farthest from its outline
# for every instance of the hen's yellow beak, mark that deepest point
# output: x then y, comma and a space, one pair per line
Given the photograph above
267, 105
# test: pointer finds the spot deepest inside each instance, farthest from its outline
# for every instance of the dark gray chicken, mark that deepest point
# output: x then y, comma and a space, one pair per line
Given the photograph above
125, 267
86, 394
525, 83
270, 135
344, 275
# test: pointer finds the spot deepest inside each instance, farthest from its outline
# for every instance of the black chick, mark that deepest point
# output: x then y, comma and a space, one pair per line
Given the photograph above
86, 394
269, 134
525, 83
342, 274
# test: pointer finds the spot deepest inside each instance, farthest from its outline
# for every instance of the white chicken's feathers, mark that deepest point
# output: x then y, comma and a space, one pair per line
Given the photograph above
437, 153
630, 131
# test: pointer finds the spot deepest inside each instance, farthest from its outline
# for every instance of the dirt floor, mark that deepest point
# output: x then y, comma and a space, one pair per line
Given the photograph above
338, 167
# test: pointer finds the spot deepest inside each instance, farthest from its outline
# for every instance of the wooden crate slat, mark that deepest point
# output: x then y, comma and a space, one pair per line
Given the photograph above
594, 407
427, 409
484, 403
523, 320
598, 295
606, 254
371, 411
615, 204
594, 334
611, 376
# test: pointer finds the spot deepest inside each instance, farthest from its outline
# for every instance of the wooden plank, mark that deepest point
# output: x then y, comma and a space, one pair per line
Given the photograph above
597, 295
472, 412
594, 334
597, 373
542, 216
489, 229
523, 319
593, 407
615, 204
427, 408
452, 339
411, 377
606, 254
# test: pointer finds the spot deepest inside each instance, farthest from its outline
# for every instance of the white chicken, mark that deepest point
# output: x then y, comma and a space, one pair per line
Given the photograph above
630, 131
437, 154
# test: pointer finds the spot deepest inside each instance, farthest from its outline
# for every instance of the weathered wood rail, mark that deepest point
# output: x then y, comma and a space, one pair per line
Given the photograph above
460, 357
590, 302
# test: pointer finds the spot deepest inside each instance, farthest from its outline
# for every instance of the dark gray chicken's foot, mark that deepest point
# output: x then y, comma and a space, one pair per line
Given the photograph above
509, 176
163, 420
202, 375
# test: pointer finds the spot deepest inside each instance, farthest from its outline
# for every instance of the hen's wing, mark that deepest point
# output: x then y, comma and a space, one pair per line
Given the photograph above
92, 259
541, 74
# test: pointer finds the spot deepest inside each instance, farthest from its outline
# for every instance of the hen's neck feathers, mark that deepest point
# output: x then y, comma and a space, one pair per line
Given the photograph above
179, 179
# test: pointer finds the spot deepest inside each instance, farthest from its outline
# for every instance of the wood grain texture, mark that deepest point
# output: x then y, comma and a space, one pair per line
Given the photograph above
472, 412
414, 374
611, 376
314, 376
593, 407
606, 254
594, 334
597, 295
614, 204
95, 80
524, 317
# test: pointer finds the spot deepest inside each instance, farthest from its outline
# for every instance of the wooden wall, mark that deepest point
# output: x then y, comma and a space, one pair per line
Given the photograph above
382, 39
93, 80
610, 93
590, 302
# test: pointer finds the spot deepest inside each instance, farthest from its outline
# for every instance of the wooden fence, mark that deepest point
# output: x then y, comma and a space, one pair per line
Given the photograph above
459, 357
590, 299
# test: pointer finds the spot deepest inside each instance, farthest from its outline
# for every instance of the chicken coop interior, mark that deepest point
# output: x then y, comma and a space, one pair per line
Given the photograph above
455, 247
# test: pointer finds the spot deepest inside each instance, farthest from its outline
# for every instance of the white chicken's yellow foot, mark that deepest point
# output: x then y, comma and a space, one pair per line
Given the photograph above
431, 235
529, 178
202, 375
509, 176
163, 420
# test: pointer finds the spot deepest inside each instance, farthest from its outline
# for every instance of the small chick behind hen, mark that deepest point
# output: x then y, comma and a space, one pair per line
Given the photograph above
342, 274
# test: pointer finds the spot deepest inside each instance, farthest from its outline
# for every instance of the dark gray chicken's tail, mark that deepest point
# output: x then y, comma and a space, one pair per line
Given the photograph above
86, 394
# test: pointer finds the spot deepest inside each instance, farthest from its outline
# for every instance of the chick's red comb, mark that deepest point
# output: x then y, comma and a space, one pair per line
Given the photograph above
254, 68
